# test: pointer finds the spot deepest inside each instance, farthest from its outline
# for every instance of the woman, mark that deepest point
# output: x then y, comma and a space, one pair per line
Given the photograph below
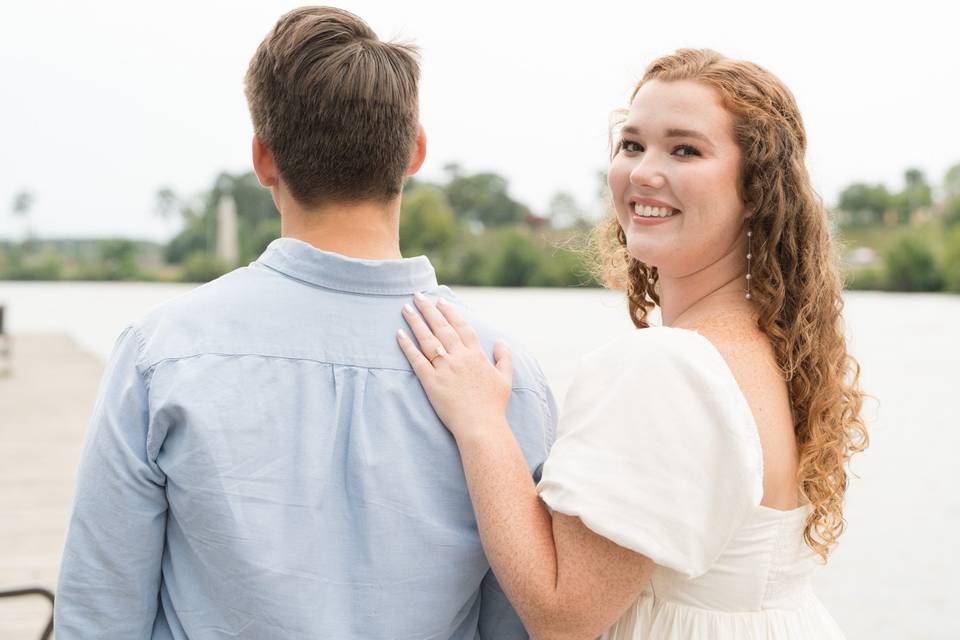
699, 466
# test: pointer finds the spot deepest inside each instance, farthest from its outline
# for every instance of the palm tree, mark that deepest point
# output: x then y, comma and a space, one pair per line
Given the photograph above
22, 205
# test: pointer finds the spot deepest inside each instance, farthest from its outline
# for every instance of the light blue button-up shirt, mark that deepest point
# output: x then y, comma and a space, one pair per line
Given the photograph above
263, 463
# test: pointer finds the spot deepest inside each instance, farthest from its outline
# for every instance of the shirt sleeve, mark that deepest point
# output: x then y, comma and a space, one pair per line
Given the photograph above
550, 413
110, 571
532, 415
498, 619
657, 449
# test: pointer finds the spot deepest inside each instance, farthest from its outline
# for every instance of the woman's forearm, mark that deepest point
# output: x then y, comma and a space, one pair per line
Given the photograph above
565, 581
515, 527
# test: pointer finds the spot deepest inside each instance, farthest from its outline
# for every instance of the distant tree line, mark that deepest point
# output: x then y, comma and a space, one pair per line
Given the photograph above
913, 233
473, 230
82, 259
476, 233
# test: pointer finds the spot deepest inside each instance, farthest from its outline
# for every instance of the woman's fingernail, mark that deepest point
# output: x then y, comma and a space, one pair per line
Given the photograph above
402, 334
420, 296
408, 308
441, 302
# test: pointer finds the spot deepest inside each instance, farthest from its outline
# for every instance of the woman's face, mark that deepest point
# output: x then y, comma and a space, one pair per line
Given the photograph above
674, 178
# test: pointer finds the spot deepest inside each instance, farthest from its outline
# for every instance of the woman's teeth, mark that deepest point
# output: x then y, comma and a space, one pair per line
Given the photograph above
652, 212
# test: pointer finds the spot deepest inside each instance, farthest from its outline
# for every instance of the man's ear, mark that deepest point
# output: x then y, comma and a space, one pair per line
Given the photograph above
263, 164
419, 152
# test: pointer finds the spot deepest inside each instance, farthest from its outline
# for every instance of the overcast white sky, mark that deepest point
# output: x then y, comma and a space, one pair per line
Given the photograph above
101, 103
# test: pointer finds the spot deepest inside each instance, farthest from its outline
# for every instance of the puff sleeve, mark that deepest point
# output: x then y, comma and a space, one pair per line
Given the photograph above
657, 449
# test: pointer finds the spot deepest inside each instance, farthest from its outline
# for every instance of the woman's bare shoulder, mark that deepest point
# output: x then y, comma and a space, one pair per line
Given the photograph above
752, 360
745, 348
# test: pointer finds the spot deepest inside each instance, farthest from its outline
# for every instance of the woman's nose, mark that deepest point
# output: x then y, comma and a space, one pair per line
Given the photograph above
647, 173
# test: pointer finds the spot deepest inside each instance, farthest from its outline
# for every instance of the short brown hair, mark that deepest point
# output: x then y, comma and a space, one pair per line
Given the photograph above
335, 105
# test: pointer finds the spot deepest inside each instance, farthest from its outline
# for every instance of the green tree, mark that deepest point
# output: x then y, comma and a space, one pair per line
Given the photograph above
192, 238
560, 267
916, 194
951, 261
473, 266
427, 223
482, 197
867, 202
951, 182
517, 260
118, 260
909, 265
255, 240
951, 212
258, 221
201, 266
951, 195
49, 267
14, 266
864, 279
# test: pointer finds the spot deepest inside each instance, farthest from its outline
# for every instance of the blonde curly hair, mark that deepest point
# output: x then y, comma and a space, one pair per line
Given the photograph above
796, 283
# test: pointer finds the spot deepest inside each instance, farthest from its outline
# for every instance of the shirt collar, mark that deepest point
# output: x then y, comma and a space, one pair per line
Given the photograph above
302, 261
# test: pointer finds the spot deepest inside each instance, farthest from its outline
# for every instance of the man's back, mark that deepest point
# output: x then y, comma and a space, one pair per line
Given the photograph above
263, 459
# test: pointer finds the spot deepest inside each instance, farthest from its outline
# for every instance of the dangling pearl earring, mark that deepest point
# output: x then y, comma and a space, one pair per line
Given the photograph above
653, 270
749, 260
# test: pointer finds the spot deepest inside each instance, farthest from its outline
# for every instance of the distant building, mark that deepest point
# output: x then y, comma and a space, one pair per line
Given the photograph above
861, 257
535, 222
228, 242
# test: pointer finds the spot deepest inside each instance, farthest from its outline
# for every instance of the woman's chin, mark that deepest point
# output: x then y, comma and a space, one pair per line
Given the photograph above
640, 249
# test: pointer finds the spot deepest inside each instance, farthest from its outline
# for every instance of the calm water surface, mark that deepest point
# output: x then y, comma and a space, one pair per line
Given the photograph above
893, 575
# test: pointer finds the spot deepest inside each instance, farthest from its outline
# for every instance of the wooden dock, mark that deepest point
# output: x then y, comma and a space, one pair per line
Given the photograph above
45, 402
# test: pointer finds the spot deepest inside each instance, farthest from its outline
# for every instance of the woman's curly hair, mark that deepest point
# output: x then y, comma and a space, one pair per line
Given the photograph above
796, 285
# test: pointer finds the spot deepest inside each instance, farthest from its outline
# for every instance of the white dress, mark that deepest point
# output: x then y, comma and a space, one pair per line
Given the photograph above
658, 451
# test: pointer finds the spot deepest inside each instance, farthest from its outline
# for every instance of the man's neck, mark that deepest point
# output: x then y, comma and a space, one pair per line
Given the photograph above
366, 230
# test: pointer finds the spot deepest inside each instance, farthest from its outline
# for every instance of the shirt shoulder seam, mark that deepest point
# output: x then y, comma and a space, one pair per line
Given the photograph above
145, 372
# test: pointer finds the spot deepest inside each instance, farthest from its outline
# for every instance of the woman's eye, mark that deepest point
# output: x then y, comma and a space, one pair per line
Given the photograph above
685, 150
632, 147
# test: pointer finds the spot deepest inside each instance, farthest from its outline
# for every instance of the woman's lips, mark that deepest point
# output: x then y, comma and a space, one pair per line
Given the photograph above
649, 221
652, 212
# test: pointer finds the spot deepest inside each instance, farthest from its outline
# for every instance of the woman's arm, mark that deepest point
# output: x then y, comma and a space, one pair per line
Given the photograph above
564, 580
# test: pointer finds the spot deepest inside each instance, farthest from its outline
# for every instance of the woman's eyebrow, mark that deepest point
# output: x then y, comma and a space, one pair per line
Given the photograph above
686, 133
670, 133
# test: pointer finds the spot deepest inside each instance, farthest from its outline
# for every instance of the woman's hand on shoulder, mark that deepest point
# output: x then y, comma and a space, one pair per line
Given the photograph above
468, 392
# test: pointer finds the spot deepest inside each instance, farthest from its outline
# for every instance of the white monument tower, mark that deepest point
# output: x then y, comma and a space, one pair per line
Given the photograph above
228, 249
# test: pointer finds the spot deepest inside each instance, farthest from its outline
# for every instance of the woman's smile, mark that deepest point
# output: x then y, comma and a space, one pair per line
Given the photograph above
647, 211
